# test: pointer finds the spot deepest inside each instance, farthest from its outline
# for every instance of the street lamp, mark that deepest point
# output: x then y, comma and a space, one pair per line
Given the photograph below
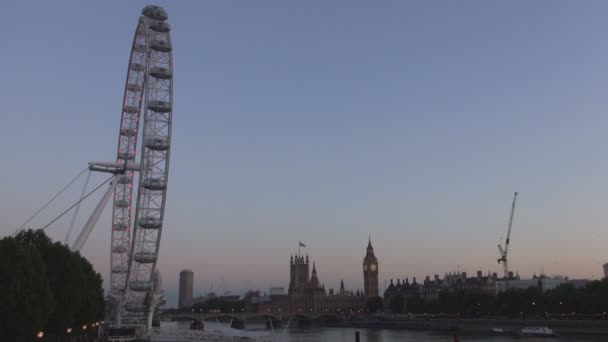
84, 327
68, 330
40, 334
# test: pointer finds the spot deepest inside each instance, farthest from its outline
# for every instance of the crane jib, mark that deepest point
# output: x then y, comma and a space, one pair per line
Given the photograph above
504, 252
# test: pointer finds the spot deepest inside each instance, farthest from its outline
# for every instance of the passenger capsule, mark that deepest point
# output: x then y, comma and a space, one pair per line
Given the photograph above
121, 226
137, 67
131, 109
119, 249
161, 73
125, 155
121, 203
157, 144
149, 222
119, 269
124, 180
159, 106
154, 184
134, 87
128, 132
140, 286
160, 46
159, 26
139, 47
144, 257
155, 12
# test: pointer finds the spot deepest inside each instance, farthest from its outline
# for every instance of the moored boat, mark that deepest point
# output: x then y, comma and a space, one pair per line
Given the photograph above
538, 331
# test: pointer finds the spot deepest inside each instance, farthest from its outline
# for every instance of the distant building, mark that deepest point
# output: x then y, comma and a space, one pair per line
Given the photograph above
429, 289
605, 267
307, 294
370, 272
261, 299
544, 283
200, 300
230, 298
276, 291
579, 283
404, 289
298, 274
186, 282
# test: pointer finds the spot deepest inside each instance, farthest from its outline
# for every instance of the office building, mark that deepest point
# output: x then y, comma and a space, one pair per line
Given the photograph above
186, 280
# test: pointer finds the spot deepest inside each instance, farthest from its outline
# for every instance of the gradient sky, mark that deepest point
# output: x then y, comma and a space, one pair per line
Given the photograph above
326, 121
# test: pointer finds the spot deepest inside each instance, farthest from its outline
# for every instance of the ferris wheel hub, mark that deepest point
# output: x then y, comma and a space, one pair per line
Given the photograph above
114, 167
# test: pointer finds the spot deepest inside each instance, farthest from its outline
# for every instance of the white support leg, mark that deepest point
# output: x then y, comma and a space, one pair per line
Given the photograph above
88, 227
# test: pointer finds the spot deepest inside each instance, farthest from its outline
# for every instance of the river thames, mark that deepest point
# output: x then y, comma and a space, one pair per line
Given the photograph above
384, 335
340, 334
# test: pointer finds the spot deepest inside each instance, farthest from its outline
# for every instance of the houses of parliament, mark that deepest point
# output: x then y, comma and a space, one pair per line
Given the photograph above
307, 293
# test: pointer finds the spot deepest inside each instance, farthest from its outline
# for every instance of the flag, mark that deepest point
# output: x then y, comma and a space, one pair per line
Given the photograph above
301, 244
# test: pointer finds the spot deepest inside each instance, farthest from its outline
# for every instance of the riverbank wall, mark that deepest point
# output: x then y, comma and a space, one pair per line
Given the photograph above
468, 326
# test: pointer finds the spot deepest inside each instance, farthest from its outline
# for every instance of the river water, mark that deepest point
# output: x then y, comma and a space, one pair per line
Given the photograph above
328, 334
384, 335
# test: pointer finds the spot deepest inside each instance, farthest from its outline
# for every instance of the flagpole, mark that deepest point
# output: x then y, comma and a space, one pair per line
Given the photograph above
299, 246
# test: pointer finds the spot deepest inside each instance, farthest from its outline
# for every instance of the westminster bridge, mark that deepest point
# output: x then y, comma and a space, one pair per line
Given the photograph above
239, 320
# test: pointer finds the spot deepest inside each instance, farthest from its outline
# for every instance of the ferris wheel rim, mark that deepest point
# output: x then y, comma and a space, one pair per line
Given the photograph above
134, 254
122, 197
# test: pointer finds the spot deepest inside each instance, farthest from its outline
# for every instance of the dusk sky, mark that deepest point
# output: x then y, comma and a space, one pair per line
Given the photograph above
325, 122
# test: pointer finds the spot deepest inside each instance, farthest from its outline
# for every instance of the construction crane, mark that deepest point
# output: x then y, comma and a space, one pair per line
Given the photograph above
503, 252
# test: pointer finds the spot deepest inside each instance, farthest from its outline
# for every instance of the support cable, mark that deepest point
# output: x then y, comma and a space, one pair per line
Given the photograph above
75, 204
84, 189
50, 201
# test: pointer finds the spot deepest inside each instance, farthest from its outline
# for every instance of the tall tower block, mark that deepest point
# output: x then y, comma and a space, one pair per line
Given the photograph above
370, 272
186, 280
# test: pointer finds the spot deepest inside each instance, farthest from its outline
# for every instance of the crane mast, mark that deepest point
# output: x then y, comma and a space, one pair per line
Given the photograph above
503, 252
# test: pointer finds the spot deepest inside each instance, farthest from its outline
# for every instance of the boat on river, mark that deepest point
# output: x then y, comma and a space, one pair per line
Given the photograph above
538, 331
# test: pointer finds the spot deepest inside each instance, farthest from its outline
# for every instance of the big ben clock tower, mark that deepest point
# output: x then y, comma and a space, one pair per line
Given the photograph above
370, 272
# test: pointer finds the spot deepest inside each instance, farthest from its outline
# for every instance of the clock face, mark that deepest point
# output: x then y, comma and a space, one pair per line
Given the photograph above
365, 267
373, 267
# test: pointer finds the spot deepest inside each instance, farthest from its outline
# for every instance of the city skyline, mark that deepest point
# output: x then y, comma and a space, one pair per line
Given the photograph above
353, 284
412, 122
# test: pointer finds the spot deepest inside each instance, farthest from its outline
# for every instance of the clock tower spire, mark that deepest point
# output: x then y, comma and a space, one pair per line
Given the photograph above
370, 272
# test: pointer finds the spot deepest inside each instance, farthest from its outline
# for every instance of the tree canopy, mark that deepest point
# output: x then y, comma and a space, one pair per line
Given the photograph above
591, 299
396, 304
374, 304
48, 287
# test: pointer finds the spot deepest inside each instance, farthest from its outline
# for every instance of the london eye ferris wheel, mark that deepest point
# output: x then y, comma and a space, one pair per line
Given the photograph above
145, 119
